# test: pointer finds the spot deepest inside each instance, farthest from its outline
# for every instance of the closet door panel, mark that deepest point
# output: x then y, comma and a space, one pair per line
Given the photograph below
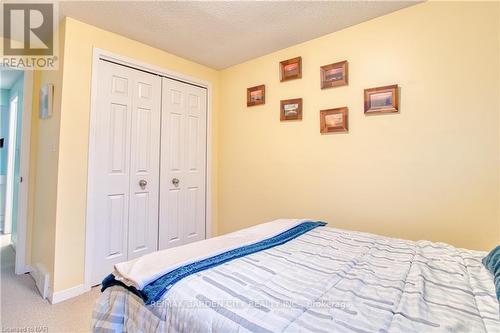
144, 165
115, 226
183, 164
195, 177
172, 202
111, 170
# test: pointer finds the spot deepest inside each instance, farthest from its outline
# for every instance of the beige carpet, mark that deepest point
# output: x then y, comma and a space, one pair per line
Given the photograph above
24, 310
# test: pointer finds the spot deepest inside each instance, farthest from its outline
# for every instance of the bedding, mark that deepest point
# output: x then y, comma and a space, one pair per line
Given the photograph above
173, 273
492, 263
324, 280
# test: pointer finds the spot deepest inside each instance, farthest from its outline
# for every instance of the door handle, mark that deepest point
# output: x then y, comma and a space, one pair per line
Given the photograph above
175, 181
143, 183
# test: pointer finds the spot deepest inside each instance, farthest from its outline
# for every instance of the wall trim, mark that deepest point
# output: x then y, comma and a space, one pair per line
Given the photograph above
24, 172
3, 183
59, 296
98, 54
42, 279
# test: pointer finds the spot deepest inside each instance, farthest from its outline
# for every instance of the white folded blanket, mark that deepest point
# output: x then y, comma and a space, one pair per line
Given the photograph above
146, 269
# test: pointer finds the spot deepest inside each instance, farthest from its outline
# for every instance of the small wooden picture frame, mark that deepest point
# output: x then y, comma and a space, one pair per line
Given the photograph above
291, 69
291, 109
381, 100
334, 75
333, 120
256, 95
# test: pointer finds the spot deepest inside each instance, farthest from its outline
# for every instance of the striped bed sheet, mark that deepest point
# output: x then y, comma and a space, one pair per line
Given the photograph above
327, 280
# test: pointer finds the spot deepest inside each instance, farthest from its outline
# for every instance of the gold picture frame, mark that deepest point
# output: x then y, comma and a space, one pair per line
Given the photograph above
334, 120
291, 109
382, 99
256, 95
291, 69
334, 75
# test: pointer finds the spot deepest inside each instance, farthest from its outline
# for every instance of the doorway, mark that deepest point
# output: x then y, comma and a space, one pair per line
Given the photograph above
15, 126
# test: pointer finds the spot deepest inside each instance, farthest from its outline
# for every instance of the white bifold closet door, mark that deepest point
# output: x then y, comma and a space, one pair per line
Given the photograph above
126, 167
183, 164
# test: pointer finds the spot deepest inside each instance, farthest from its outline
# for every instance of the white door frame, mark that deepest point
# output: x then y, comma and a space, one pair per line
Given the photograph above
11, 165
24, 168
24, 172
97, 55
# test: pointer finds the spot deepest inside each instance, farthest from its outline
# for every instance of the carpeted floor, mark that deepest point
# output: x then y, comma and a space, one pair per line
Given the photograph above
23, 310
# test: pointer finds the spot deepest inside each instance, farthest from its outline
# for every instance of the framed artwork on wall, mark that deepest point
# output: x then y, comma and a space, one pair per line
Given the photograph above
381, 99
291, 69
291, 109
333, 120
256, 95
45, 100
334, 75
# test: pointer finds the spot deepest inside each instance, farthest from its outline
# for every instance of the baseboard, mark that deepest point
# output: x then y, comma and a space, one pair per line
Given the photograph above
63, 295
23, 269
42, 279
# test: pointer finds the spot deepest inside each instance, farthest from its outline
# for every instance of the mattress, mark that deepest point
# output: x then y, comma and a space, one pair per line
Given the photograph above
326, 280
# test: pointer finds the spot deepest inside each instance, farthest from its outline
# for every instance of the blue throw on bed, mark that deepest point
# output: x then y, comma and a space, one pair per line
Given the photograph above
154, 290
492, 263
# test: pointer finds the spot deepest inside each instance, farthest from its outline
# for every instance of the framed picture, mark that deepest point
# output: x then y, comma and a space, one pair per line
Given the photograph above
334, 75
291, 69
46, 96
381, 99
333, 120
291, 109
256, 95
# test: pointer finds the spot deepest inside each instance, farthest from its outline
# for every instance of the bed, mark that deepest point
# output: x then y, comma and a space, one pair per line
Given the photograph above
322, 280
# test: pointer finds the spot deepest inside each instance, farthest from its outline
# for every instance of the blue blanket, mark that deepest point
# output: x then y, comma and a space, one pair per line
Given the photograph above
492, 263
153, 291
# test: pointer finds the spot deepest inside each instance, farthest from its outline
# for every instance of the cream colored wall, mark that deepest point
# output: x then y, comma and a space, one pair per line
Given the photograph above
44, 155
80, 38
41, 230
32, 166
430, 172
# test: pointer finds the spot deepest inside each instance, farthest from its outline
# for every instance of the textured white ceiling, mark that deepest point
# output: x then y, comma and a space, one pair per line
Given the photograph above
220, 34
8, 77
